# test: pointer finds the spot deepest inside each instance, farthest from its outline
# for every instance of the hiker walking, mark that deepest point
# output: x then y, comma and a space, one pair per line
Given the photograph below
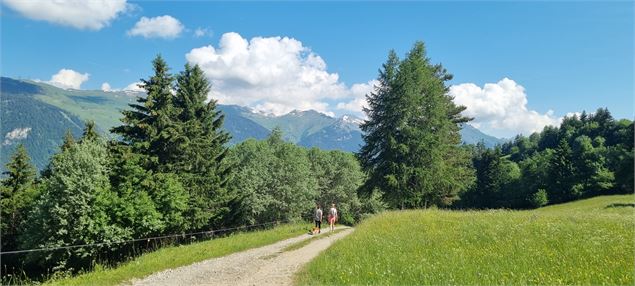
318, 217
332, 217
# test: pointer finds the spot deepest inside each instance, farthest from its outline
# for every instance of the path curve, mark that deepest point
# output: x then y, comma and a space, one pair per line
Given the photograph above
267, 265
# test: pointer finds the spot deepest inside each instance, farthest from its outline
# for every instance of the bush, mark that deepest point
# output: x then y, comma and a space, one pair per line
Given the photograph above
539, 198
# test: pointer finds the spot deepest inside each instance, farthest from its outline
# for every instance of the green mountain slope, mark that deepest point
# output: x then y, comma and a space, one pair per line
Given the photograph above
102, 107
471, 135
295, 125
37, 125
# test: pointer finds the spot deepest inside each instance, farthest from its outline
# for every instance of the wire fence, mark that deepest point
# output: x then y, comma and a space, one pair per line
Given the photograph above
148, 239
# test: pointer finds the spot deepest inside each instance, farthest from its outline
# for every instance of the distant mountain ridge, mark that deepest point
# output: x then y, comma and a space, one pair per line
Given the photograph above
38, 115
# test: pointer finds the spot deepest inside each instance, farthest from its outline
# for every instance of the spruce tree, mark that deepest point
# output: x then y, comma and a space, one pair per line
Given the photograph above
200, 157
562, 173
16, 194
150, 127
69, 140
20, 171
90, 131
379, 129
412, 148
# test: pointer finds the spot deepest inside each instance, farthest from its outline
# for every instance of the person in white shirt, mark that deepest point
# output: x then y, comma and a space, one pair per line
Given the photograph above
332, 217
318, 217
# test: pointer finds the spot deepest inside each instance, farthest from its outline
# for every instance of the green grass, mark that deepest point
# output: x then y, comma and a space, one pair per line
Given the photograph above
589, 242
305, 242
171, 257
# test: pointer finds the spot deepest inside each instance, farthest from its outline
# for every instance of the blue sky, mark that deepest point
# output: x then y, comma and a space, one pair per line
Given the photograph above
517, 66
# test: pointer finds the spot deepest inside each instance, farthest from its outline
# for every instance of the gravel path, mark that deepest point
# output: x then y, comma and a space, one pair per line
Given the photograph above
267, 265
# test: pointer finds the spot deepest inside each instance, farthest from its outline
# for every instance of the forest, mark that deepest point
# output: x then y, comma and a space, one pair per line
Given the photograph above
172, 171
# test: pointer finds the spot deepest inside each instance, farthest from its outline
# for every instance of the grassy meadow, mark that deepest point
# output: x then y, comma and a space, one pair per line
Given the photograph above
172, 257
588, 242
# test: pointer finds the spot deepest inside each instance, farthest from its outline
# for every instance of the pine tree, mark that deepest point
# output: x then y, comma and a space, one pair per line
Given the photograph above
200, 157
16, 195
69, 140
412, 148
90, 131
379, 129
20, 171
562, 173
150, 127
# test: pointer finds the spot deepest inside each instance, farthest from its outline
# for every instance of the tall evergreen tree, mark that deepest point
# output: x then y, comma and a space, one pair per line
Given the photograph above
69, 140
20, 171
562, 173
200, 158
16, 194
90, 131
379, 129
150, 127
412, 148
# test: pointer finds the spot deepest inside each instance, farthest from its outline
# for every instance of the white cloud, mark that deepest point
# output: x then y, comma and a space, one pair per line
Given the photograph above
271, 74
166, 27
106, 87
500, 109
200, 32
80, 14
359, 92
134, 87
67, 78
16, 134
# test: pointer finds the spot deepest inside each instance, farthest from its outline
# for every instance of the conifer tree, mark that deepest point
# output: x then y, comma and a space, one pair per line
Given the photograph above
150, 127
412, 148
562, 173
90, 131
16, 194
20, 171
69, 140
200, 156
379, 129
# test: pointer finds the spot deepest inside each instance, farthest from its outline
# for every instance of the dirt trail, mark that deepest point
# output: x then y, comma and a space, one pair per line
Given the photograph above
267, 265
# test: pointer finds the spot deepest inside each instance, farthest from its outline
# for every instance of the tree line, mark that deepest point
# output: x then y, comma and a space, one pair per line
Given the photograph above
171, 169
587, 155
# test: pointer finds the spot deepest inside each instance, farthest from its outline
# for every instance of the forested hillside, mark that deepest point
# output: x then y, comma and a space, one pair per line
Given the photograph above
27, 120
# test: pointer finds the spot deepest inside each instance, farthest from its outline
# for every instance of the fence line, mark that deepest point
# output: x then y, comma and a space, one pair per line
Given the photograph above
138, 239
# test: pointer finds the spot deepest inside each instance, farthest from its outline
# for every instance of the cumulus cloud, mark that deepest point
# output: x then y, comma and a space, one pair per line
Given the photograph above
80, 14
134, 87
359, 92
16, 134
166, 27
500, 109
105, 87
271, 74
67, 78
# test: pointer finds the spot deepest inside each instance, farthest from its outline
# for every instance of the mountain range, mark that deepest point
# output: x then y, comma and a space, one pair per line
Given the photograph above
38, 114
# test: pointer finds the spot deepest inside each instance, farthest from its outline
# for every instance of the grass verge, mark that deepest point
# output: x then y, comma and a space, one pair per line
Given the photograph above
305, 242
172, 257
589, 242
